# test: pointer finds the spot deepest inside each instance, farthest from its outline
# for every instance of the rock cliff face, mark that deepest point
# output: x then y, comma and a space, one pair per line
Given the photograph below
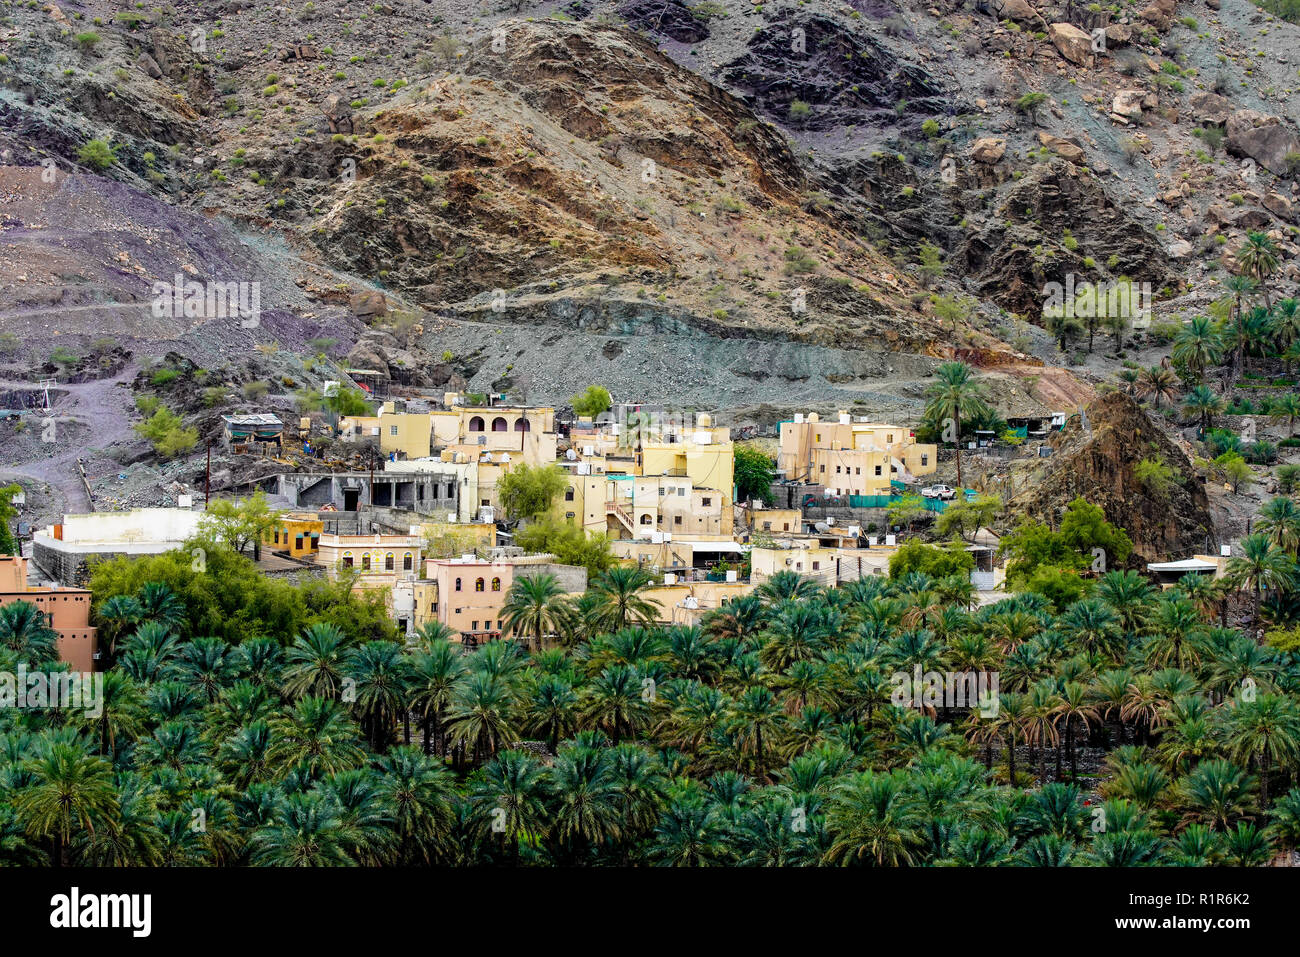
1097, 461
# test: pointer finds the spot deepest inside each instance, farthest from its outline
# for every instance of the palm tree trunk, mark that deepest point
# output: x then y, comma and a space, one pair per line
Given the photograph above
1069, 746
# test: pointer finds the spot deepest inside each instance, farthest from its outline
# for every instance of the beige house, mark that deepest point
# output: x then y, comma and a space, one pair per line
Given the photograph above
852, 457
468, 593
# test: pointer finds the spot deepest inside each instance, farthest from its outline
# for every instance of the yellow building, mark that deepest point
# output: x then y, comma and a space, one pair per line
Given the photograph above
299, 535
776, 521
804, 557
685, 603
527, 434
405, 434
852, 457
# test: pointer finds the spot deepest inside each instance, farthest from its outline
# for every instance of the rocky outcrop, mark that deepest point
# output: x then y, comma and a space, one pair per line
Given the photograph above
667, 18
1072, 43
1098, 462
1035, 212
988, 149
1068, 151
1265, 139
846, 77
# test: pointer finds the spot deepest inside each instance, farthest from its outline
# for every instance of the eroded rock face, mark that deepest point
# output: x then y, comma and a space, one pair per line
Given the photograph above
1072, 43
1098, 464
1035, 211
1265, 139
668, 18
844, 77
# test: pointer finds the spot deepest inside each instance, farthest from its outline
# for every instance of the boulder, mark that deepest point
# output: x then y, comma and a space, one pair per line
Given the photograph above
988, 149
1071, 152
1210, 107
1159, 14
1072, 43
338, 113
1265, 139
1128, 103
1018, 10
1118, 35
1180, 249
149, 65
1279, 206
369, 303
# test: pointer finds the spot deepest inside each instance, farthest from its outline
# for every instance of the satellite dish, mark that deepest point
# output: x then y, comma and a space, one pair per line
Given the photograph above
822, 527
570, 455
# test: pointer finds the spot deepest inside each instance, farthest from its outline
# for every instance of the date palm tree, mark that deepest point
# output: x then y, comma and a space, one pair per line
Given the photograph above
1074, 706
378, 678
550, 709
1198, 346
24, 630
509, 802
482, 715
619, 599
1266, 729
418, 792
532, 607
1259, 260
874, 819
1279, 519
1159, 384
317, 735
117, 615
1261, 565
70, 793
616, 702
306, 831
1216, 792
956, 393
1203, 405
434, 675
314, 662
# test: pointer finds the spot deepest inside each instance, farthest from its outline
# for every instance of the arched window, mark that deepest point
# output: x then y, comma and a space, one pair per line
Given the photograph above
476, 424
646, 519
347, 559
457, 584
523, 425
478, 584
407, 562
388, 562
499, 424
365, 562
496, 584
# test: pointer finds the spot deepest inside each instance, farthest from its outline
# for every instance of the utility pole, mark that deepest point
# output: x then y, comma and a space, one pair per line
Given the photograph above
372, 475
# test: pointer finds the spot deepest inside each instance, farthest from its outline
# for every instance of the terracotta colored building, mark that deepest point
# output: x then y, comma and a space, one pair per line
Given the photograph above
67, 611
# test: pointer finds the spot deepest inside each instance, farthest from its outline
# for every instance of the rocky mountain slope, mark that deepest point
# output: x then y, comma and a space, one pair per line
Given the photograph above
731, 205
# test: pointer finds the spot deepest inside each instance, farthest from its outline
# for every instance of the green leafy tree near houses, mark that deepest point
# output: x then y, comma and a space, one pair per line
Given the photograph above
8, 544
592, 402
240, 523
528, 491
754, 473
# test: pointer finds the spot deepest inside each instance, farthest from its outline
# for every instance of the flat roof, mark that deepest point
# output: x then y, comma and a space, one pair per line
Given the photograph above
1184, 565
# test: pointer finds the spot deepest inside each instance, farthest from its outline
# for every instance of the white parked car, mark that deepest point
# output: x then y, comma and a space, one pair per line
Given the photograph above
944, 492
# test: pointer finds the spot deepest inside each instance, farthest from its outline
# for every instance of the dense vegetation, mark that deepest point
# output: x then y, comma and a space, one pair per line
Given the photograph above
249, 721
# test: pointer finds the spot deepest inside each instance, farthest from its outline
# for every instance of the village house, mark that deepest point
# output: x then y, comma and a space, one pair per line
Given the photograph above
66, 610
852, 456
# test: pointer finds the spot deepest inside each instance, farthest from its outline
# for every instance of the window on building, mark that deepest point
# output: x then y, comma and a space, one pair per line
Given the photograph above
297, 543
392, 430
365, 562
523, 425
877, 469
821, 468
858, 470
476, 424
347, 559
677, 519
457, 584
568, 494
569, 516
837, 470
473, 625
925, 459
389, 562
767, 526
408, 562
706, 502
499, 425
890, 438
646, 519
478, 584
496, 584
785, 527
816, 566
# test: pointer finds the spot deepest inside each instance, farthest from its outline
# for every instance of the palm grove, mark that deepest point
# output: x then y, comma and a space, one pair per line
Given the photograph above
250, 721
